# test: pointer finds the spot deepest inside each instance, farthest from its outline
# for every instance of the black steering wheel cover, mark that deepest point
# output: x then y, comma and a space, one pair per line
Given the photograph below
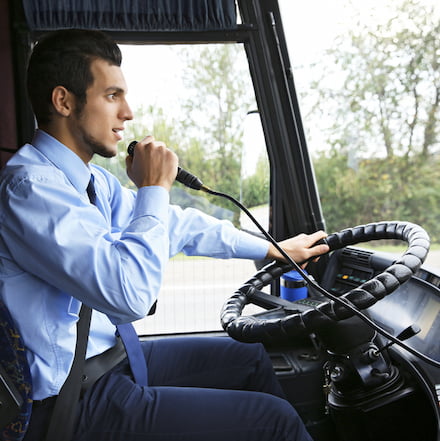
255, 329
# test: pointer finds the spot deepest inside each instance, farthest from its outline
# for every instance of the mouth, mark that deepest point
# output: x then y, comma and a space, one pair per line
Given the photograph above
118, 133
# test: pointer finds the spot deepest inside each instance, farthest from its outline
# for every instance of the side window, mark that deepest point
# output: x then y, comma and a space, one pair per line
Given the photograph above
199, 100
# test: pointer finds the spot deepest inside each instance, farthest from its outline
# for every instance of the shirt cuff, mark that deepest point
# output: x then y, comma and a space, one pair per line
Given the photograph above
251, 247
152, 201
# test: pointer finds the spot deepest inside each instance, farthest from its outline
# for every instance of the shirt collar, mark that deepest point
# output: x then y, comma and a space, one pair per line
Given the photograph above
64, 159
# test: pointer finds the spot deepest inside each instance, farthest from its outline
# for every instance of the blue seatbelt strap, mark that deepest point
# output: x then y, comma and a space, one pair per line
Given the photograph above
135, 355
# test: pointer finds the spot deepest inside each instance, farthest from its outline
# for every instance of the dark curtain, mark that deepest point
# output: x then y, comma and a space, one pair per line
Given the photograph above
8, 139
131, 15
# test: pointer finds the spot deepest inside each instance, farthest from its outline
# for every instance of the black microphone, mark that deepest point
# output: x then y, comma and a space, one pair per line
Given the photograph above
183, 176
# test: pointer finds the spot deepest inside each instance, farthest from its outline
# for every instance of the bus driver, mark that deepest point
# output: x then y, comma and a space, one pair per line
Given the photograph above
59, 249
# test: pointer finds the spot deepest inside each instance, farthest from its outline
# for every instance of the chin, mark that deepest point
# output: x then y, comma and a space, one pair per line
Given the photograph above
106, 151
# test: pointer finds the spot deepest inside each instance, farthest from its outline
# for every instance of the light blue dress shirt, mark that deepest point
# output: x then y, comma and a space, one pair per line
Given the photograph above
57, 250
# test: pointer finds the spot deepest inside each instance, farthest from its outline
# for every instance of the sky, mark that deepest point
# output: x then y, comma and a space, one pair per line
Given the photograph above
311, 26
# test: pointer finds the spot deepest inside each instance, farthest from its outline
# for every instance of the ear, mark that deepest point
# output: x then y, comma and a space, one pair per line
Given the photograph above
63, 101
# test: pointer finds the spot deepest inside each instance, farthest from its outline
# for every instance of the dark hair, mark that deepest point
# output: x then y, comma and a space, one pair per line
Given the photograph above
63, 58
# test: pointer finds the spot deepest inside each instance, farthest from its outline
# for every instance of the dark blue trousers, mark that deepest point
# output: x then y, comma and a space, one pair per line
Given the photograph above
200, 389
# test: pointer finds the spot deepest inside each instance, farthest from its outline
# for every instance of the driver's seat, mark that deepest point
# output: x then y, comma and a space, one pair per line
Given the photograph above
15, 381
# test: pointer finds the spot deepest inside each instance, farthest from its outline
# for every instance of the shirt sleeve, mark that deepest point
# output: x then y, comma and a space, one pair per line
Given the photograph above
191, 231
58, 236
196, 233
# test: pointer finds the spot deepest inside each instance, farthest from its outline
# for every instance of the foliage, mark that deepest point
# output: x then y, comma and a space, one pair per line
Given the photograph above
221, 95
384, 104
380, 189
383, 91
256, 187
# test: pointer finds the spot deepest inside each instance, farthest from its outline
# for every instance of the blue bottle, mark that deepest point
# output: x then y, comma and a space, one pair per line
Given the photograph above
293, 286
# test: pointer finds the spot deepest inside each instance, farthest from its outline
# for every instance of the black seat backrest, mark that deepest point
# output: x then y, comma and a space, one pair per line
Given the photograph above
15, 381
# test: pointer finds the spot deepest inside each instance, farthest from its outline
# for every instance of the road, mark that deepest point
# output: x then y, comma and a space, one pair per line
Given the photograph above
193, 293
433, 259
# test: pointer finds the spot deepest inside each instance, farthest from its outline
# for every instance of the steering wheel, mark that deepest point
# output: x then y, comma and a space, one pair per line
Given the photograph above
307, 316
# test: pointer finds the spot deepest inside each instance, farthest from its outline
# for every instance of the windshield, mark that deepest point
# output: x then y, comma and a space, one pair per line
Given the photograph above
199, 100
368, 84
368, 80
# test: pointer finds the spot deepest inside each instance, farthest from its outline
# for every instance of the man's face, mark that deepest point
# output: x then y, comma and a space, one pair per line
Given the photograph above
97, 127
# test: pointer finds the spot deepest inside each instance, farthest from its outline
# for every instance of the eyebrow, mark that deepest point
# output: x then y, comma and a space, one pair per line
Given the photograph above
115, 89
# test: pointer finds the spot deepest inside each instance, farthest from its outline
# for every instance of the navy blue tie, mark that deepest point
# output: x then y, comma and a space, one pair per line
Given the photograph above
91, 193
126, 330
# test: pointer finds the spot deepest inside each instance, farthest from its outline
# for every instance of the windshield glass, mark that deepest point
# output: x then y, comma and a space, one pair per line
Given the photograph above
368, 79
199, 100
368, 84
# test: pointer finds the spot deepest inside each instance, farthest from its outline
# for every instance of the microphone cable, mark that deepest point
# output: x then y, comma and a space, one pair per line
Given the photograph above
193, 182
320, 289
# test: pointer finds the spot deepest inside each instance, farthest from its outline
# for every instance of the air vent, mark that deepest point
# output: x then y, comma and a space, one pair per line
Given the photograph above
356, 256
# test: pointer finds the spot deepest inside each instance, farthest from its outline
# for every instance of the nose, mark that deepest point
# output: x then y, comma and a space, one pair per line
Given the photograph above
125, 112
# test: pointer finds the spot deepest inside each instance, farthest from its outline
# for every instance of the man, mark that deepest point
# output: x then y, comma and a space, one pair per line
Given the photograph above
59, 250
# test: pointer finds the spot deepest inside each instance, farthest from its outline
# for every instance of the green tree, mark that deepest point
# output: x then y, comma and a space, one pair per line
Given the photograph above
395, 188
384, 90
219, 96
256, 187
382, 96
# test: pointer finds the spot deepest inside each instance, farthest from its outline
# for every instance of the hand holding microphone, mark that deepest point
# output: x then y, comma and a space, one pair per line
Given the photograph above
153, 164
182, 176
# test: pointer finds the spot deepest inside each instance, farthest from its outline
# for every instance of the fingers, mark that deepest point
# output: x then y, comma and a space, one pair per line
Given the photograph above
317, 235
148, 146
318, 246
152, 163
301, 248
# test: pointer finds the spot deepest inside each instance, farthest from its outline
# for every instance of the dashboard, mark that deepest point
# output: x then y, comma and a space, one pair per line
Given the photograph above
415, 302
